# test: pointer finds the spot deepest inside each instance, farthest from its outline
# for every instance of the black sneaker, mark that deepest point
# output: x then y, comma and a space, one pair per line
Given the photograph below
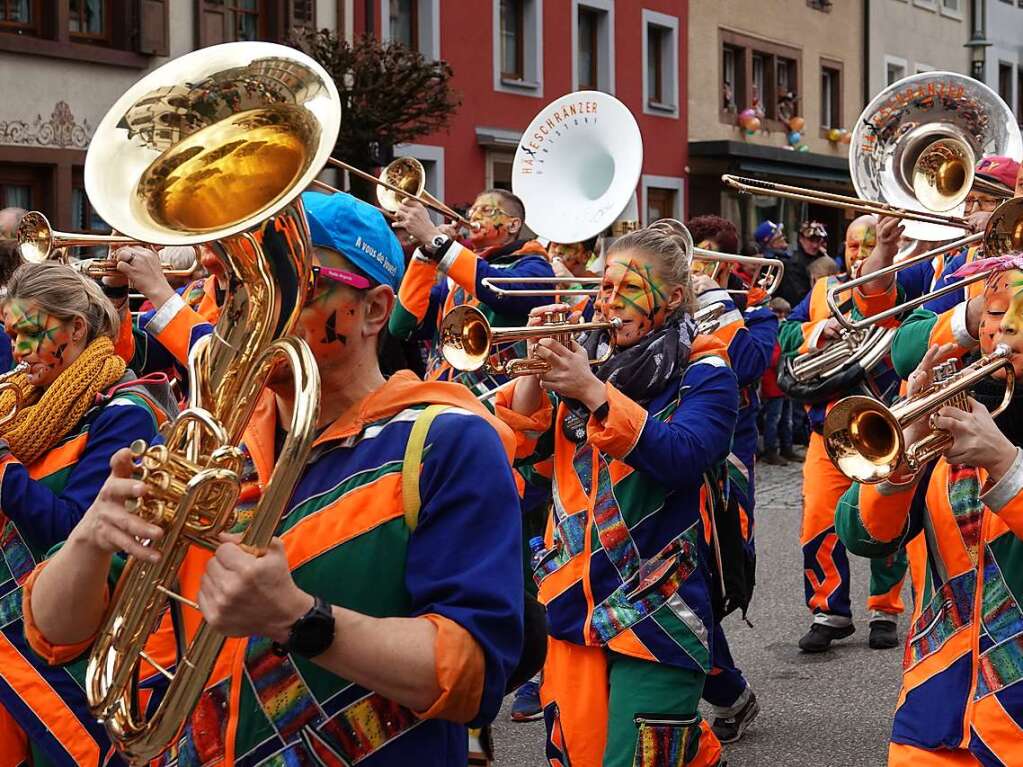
771, 457
820, 637
731, 729
884, 635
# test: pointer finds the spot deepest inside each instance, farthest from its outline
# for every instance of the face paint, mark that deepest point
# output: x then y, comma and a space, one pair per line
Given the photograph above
706, 267
39, 339
1002, 321
573, 255
632, 292
493, 222
860, 241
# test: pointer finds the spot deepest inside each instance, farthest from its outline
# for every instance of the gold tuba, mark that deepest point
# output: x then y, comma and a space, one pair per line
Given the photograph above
865, 439
214, 146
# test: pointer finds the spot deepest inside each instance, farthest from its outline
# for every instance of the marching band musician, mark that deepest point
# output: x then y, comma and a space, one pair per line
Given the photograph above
749, 336
959, 703
497, 251
625, 573
80, 406
374, 627
825, 565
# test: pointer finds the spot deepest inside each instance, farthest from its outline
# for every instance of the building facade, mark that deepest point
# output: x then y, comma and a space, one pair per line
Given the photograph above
784, 59
999, 57
66, 61
940, 30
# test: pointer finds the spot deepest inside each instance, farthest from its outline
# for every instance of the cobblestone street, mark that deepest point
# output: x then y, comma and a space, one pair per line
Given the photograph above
830, 710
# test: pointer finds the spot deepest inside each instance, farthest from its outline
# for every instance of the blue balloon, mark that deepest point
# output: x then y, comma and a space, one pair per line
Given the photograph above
795, 137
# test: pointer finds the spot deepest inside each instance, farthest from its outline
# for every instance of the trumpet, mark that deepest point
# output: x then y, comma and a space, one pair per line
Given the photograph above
6, 384
866, 440
1003, 235
38, 242
403, 178
467, 340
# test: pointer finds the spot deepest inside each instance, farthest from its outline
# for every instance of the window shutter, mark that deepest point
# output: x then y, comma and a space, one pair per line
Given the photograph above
154, 27
212, 26
301, 13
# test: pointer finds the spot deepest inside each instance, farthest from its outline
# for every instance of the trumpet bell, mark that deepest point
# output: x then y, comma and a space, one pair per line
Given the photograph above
406, 173
577, 166
863, 439
465, 338
891, 159
1004, 232
35, 237
212, 143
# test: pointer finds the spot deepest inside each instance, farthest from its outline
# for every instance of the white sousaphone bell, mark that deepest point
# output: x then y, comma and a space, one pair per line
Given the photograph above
577, 166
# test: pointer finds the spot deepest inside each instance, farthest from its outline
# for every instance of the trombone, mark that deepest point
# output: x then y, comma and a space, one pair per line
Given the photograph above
775, 267
866, 440
1003, 234
38, 242
404, 178
467, 340
846, 202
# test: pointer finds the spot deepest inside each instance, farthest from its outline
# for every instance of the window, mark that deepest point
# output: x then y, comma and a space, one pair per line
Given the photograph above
952, 8
593, 67
660, 77
518, 33
831, 95
404, 22
587, 50
88, 20
15, 196
499, 169
660, 203
1005, 89
19, 15
895, 69
660, 197
512, 31
761, 75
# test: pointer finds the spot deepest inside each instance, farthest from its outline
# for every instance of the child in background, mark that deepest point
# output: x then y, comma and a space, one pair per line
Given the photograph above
777, 408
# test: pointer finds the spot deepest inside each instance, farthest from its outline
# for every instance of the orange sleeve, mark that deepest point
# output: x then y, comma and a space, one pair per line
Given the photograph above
53, 654
621, 429
460, 672
124, 344
460, 264
176, 337
1005, 497
884, 509
872, 303
811, 335
527, 428
414, 293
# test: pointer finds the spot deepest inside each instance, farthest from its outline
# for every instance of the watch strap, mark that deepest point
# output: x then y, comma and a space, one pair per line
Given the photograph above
320, 619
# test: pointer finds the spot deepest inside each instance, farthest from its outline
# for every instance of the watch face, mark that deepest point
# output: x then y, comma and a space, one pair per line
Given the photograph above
314, 632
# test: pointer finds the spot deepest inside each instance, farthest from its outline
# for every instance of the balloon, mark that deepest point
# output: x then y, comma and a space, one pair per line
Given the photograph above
753, 125
746, 116
795, 137
802, 148
846, 137
834, 135
797, 124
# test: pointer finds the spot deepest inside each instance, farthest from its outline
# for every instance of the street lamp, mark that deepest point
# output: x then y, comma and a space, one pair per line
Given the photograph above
978, 42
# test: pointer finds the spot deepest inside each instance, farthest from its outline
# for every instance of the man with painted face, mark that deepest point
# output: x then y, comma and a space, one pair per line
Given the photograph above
826, 578
961, 701
496, 250
389, 605
795, 284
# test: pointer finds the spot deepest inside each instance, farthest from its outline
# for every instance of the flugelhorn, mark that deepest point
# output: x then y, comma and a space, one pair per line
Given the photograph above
38, 242
866, 440
402, 179
1003, 235
467, 340
212, 147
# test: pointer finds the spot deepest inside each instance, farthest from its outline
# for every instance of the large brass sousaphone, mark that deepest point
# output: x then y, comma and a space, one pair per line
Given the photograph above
213, 146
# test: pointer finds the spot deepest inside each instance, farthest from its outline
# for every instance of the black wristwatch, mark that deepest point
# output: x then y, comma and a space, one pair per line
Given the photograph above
436, 247
311, 634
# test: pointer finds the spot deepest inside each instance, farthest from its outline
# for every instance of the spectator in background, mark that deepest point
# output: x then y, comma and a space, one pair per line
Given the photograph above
9, 219
776, 406
812, 247
822, 267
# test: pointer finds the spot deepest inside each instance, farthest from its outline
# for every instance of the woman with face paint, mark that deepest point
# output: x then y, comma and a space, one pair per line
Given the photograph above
80, 405
961, 701
624, 571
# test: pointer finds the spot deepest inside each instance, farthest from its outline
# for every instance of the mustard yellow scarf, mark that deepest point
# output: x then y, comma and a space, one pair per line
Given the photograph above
48, 415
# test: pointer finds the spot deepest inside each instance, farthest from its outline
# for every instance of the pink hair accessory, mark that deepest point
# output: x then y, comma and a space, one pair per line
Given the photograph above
995, 263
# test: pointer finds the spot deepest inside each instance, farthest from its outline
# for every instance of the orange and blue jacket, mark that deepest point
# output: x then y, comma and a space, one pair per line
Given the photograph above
430, 290
963, 663
40, 504
626, 561
347, 541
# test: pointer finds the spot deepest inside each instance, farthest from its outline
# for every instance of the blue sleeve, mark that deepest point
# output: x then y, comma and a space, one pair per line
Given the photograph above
150, 355
46, 518
916, 280
801, 311
524, 268
752, 346
465, 557
949, 300
677, 452
427, 329
6, 355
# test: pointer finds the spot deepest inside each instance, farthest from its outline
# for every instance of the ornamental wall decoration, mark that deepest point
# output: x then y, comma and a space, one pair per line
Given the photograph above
61, 130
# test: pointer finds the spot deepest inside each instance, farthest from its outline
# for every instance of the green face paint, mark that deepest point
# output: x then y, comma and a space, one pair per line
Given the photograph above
632, 292
37, 338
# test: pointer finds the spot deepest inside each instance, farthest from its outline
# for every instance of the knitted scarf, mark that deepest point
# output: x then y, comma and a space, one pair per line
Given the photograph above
48, 415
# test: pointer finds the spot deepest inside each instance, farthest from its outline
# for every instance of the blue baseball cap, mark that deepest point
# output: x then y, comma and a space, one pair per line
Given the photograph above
357, 231
766, 232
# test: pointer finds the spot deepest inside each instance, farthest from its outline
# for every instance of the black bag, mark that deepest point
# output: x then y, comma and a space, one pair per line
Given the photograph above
732, 564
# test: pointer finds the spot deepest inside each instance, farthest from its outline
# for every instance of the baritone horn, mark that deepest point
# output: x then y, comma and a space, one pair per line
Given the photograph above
467, 340
212, 147
866, 440
38, 242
